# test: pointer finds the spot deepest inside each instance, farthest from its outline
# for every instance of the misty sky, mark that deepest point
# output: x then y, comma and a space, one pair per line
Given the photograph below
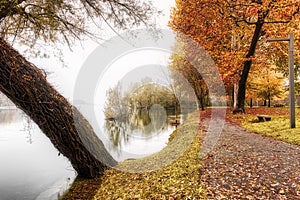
64, 78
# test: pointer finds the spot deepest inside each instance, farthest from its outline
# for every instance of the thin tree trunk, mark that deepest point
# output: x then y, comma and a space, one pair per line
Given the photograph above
247, 66
26, 86
232, 97
235, 96
236, 109
200, 97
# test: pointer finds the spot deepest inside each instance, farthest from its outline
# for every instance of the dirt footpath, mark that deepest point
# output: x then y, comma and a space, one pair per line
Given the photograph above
246, 165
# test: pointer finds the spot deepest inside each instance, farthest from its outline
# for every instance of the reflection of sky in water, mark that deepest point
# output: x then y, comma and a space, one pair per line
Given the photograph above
30, 166
145, 134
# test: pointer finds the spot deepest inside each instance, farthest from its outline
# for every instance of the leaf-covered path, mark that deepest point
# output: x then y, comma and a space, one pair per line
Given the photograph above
245, 165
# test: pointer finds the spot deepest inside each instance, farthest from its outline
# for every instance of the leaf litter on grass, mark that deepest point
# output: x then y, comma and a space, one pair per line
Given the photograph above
278, 128
177, 180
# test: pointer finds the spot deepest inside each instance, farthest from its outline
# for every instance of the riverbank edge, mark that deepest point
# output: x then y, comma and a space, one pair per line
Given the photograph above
88, 188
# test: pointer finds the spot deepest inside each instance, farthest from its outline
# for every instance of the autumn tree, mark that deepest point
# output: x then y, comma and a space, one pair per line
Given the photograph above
192, 75
150, 94
117, 106
139, 107
232, 31
266, 84
59, 21
142, 95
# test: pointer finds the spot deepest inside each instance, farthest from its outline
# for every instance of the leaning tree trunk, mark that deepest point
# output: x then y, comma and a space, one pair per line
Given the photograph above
26, 86
247, 66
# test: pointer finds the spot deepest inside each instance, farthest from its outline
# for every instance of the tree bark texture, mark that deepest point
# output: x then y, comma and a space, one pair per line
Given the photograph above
26, 86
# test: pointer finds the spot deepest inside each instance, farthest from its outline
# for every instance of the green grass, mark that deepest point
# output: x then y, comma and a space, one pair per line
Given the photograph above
277, 128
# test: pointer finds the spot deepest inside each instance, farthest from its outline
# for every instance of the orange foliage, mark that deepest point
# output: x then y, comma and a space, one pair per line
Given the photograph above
225, 29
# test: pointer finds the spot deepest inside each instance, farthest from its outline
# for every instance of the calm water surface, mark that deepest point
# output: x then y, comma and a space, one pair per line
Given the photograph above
30, 166
141, 134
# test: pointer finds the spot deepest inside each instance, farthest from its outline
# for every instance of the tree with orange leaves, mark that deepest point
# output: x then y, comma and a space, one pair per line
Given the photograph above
234, 32
266, 83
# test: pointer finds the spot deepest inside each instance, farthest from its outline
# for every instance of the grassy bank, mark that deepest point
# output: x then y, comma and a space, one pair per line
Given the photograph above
277, 128
171, 173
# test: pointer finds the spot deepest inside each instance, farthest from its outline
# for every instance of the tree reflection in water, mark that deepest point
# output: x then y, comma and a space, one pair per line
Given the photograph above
142, 123
139, 113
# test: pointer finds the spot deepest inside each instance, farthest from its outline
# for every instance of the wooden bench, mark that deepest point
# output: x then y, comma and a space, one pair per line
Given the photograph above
262, 118
278, 105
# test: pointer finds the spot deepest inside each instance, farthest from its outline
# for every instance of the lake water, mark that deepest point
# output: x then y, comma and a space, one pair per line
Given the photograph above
141, 134
30, 165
